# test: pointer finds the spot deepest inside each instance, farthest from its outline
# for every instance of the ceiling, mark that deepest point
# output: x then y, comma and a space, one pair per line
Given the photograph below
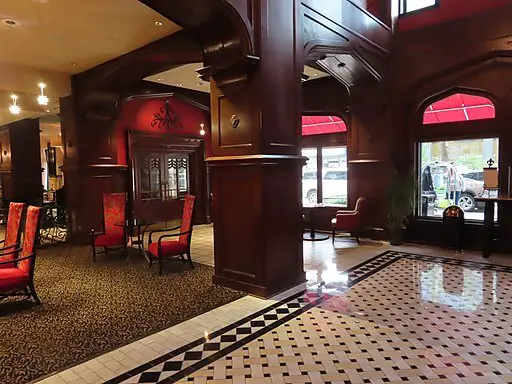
186, 76
53, 39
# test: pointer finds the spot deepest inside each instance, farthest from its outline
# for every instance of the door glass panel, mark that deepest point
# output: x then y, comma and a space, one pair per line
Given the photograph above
150, 177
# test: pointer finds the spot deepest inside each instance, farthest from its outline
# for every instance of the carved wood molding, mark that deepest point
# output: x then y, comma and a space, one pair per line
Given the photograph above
232, 75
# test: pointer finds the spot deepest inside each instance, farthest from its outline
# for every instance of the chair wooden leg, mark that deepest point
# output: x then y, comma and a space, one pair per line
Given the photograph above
33, 293
333, 234
182, 258
190, 260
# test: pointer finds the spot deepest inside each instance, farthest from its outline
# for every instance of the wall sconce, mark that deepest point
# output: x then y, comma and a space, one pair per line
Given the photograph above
202, 132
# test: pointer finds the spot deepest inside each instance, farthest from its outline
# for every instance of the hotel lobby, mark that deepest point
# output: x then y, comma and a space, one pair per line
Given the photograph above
228, 192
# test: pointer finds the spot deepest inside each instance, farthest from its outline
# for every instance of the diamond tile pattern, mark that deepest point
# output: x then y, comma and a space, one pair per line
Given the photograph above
179, 365
413, 319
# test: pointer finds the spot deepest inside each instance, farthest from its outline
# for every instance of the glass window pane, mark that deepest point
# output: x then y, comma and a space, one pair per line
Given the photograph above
309, 177
452, 173
414, 5
334, 176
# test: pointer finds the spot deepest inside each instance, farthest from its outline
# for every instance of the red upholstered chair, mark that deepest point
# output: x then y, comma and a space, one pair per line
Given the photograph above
18, 278
349, 221
12, 234
113, 236
178, 248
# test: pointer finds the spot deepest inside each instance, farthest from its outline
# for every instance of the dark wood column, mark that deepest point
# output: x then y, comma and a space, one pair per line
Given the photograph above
90, 159
20, 161
255, 161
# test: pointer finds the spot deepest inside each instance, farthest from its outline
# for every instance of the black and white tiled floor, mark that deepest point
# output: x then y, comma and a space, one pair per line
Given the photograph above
398, 317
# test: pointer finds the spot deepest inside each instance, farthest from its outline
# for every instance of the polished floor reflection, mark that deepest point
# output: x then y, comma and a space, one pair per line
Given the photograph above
369, 313
412, 320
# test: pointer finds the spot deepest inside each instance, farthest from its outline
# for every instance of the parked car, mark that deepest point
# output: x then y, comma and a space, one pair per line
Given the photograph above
473, 185
334, 186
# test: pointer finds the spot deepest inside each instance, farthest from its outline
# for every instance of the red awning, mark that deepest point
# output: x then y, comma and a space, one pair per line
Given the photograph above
318, 125
459, 107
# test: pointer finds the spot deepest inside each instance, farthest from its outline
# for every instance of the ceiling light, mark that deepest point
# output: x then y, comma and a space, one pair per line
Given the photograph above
14, 108
9, 22
74, 64
158, 79
315, 74
42, 99
158, 23
179, 84
47, 111
202, 132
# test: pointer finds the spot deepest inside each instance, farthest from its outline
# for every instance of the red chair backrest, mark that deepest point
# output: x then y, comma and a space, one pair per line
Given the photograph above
12, 235
30, 237
186, 220
359, 205
114, 211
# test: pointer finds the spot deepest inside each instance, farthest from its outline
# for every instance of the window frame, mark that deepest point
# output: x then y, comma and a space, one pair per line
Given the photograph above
326, 140
402, 6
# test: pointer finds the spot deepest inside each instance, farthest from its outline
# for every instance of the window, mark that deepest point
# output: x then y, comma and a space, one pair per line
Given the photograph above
334, 180
407, 6
309, 177
451, 172
324, 177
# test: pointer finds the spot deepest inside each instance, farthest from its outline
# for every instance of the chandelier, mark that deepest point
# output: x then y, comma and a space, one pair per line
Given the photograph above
42, 99
14, 107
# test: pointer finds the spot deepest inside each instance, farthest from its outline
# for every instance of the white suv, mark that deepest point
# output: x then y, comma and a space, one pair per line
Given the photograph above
334, 186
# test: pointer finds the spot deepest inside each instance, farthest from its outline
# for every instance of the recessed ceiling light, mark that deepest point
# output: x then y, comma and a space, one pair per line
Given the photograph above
74, 64
315, 74
179, 84
158, 23
9, 22
158, 79
47, 111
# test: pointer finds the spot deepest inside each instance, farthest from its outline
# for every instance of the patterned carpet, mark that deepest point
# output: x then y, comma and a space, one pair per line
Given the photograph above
90, 308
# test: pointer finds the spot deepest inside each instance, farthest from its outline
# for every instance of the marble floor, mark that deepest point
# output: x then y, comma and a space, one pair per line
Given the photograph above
368, 314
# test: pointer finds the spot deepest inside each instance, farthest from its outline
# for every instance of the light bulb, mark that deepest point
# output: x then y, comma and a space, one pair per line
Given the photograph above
202, 132
14, 108
42, 99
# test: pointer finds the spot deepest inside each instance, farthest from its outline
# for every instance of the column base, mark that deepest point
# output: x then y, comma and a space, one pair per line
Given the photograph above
258, 290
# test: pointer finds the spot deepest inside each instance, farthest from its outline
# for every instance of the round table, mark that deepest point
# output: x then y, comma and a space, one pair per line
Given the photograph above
139, 224
312, 235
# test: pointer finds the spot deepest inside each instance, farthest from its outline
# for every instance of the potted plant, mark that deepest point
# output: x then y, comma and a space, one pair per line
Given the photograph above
401, 201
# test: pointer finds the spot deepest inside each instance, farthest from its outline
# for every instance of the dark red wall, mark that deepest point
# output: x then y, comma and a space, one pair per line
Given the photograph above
137, 114
448, 10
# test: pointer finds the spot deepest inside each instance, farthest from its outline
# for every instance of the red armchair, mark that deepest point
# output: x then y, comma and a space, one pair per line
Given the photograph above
113, 236
164, 248
349, 221
18, 278
12, 235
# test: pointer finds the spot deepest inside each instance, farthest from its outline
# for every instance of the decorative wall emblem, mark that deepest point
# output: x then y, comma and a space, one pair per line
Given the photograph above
235, 121
166, 118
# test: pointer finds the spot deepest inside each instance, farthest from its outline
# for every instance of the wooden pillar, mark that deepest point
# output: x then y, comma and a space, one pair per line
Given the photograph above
255, 160
21, 162
90, 161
